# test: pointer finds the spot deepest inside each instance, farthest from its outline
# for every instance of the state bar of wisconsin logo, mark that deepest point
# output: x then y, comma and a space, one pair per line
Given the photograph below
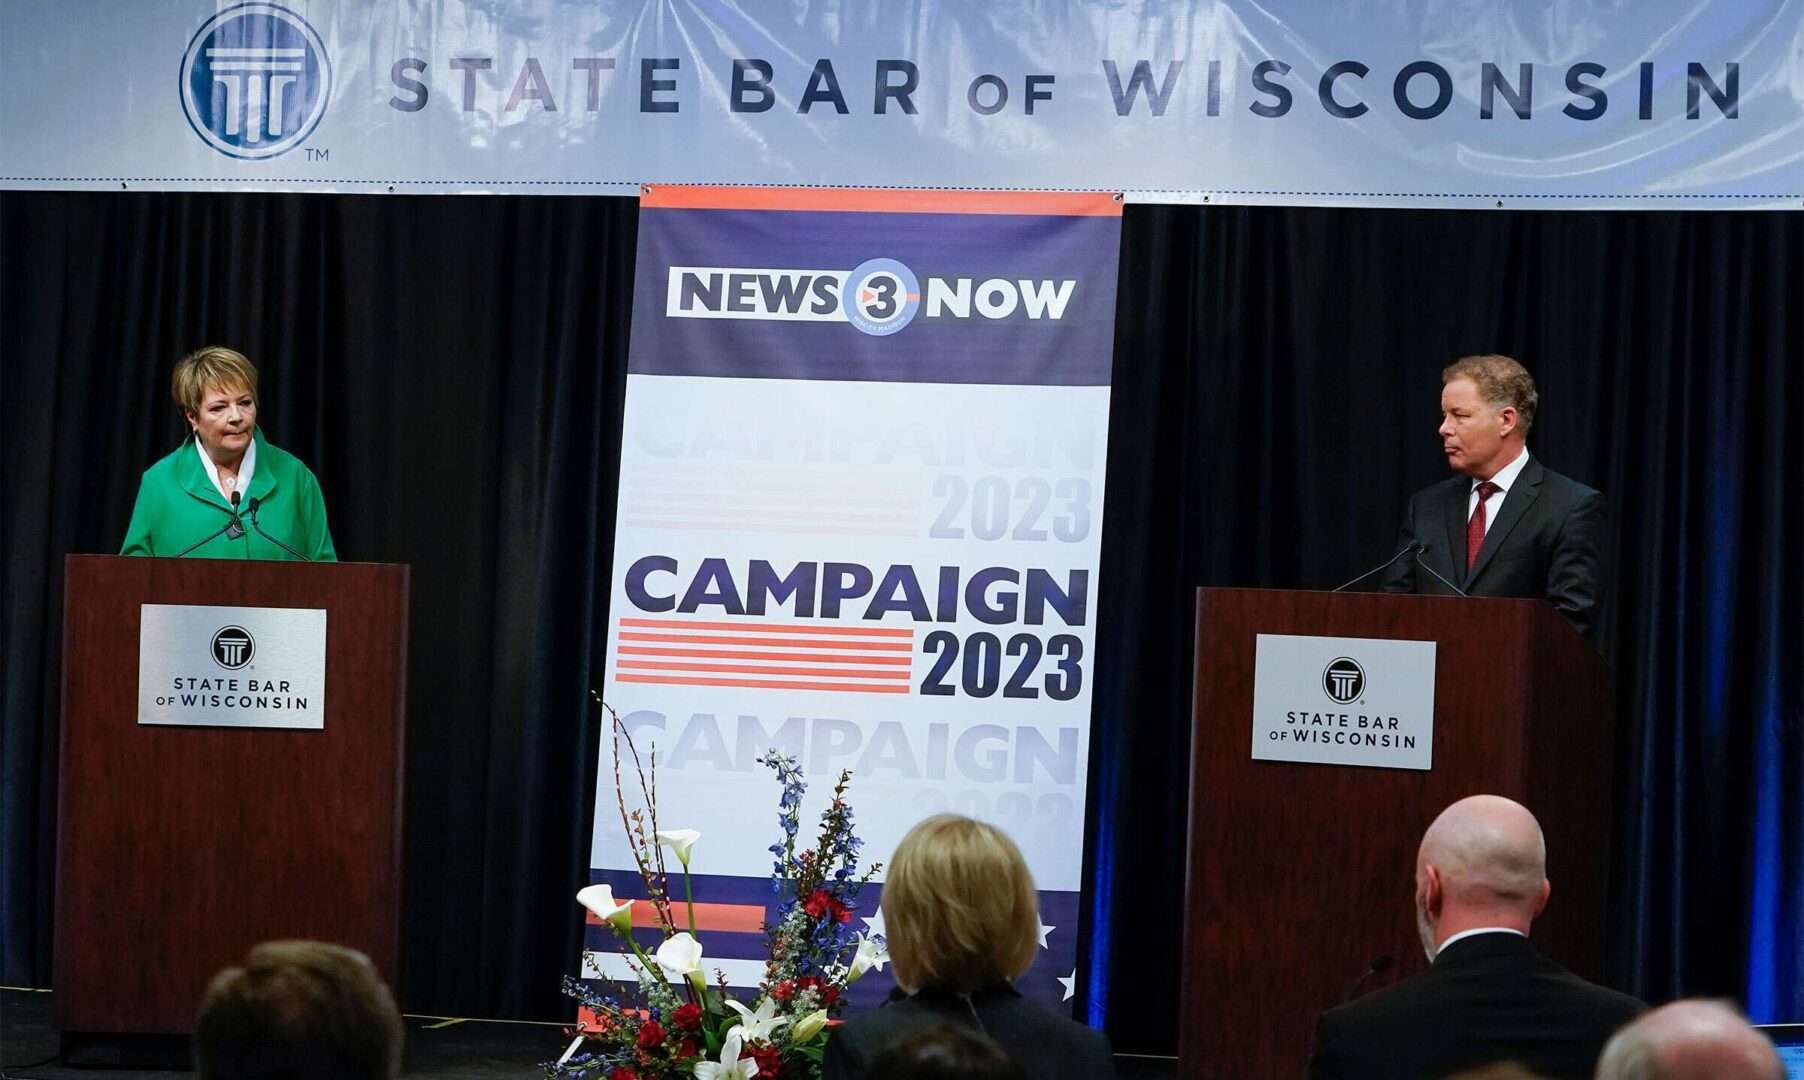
1343, 680
233, 647
255, 80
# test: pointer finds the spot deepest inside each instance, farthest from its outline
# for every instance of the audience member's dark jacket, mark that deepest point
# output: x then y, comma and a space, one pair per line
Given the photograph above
1486, 999
1046, 1045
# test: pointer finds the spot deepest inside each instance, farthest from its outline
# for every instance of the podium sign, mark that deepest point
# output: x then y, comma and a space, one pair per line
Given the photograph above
232, 666
1344, 701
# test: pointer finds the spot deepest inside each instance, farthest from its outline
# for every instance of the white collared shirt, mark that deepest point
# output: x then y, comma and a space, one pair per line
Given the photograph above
1477, 930
1505, 477
246, 466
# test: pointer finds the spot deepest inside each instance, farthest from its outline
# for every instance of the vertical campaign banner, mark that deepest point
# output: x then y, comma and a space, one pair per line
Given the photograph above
861, 495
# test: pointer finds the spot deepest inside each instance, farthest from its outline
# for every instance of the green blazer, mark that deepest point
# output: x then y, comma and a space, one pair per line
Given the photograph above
178, 505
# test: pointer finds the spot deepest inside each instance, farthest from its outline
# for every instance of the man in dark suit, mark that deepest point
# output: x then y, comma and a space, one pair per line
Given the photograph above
1488, 996
1506, 525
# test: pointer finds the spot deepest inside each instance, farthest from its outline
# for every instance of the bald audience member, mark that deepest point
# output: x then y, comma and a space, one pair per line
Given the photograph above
1690, 1040
1488, 996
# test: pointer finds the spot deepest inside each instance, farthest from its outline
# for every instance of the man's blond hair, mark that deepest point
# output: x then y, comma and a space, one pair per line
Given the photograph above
212, 367
1501, 381
959, 907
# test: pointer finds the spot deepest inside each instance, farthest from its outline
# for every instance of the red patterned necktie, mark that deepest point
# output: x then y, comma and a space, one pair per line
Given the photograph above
1475, 528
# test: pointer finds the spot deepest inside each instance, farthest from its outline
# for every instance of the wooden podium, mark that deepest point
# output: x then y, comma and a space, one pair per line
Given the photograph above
181, 847
1300, 876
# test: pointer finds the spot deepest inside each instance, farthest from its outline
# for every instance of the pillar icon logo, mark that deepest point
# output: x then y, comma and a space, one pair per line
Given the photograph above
255, 81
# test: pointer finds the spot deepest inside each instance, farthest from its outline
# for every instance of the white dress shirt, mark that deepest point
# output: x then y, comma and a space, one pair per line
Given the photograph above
1477, 930
1504, 478
246, 466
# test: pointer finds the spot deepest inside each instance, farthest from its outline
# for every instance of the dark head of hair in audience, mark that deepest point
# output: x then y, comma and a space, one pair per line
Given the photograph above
298, 1010
944, 1052
959, 907
1690, 1040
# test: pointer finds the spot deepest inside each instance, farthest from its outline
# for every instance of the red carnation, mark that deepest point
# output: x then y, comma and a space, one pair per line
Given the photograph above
769, 1059
651, 1035
687, 1049
623, 1072
817, 903
783, 991
688, 1017
829, 995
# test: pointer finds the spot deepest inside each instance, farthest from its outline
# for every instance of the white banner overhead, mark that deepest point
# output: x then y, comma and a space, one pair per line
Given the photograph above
1549, 103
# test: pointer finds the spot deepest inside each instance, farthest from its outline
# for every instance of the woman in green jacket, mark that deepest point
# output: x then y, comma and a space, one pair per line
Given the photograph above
227, 493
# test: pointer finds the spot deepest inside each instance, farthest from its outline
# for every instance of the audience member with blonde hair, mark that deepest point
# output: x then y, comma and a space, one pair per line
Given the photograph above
226, 492
1690, 1040
298, 1010
962, 919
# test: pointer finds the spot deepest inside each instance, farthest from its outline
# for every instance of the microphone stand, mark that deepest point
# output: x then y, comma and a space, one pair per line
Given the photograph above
271, 539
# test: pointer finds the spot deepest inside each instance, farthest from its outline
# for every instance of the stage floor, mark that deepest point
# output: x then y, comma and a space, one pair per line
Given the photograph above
436, 1047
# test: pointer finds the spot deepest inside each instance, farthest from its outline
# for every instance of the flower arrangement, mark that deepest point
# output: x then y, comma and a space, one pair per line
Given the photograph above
674, 1023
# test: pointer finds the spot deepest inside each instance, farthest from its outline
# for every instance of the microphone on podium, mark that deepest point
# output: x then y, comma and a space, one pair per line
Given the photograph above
1379, 965
271, 539
1414, 547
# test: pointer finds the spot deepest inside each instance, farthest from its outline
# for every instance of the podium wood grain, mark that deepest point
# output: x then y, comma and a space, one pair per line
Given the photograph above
181, 847
1300, 875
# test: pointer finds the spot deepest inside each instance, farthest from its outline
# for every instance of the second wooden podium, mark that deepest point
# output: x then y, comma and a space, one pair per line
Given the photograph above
1301, 876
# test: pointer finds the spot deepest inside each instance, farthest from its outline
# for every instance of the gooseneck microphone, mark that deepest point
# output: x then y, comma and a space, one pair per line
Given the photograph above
231, 530
271, 539
1414, 547
1379, 965
235, 527
1437, 574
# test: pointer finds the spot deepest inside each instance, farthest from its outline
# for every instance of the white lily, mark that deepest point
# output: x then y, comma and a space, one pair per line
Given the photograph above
679, 841
808, 1026
869, 955
681, 958
759, 1025
600, 900
729, 1067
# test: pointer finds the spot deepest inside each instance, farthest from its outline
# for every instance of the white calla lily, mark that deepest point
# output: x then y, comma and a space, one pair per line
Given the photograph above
869, 955
681, 958
679, 841
600, 900
809, 1026
729, 1067
758, 1025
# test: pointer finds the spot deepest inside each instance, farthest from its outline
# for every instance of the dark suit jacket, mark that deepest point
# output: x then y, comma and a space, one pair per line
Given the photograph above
1547, 543
1045, 1044
1486, 999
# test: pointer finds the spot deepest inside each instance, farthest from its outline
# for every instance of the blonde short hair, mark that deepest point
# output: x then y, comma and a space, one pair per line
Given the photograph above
207, 368
959, 907
1501, 381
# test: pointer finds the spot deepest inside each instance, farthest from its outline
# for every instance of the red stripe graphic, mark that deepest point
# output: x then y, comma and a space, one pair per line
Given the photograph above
734, 918
766, 684
771, 628
788, 642
765, 669
761, 654
782, 656
888, 201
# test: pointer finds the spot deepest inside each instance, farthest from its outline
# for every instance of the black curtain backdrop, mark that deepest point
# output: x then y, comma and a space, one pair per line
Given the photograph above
453, 368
